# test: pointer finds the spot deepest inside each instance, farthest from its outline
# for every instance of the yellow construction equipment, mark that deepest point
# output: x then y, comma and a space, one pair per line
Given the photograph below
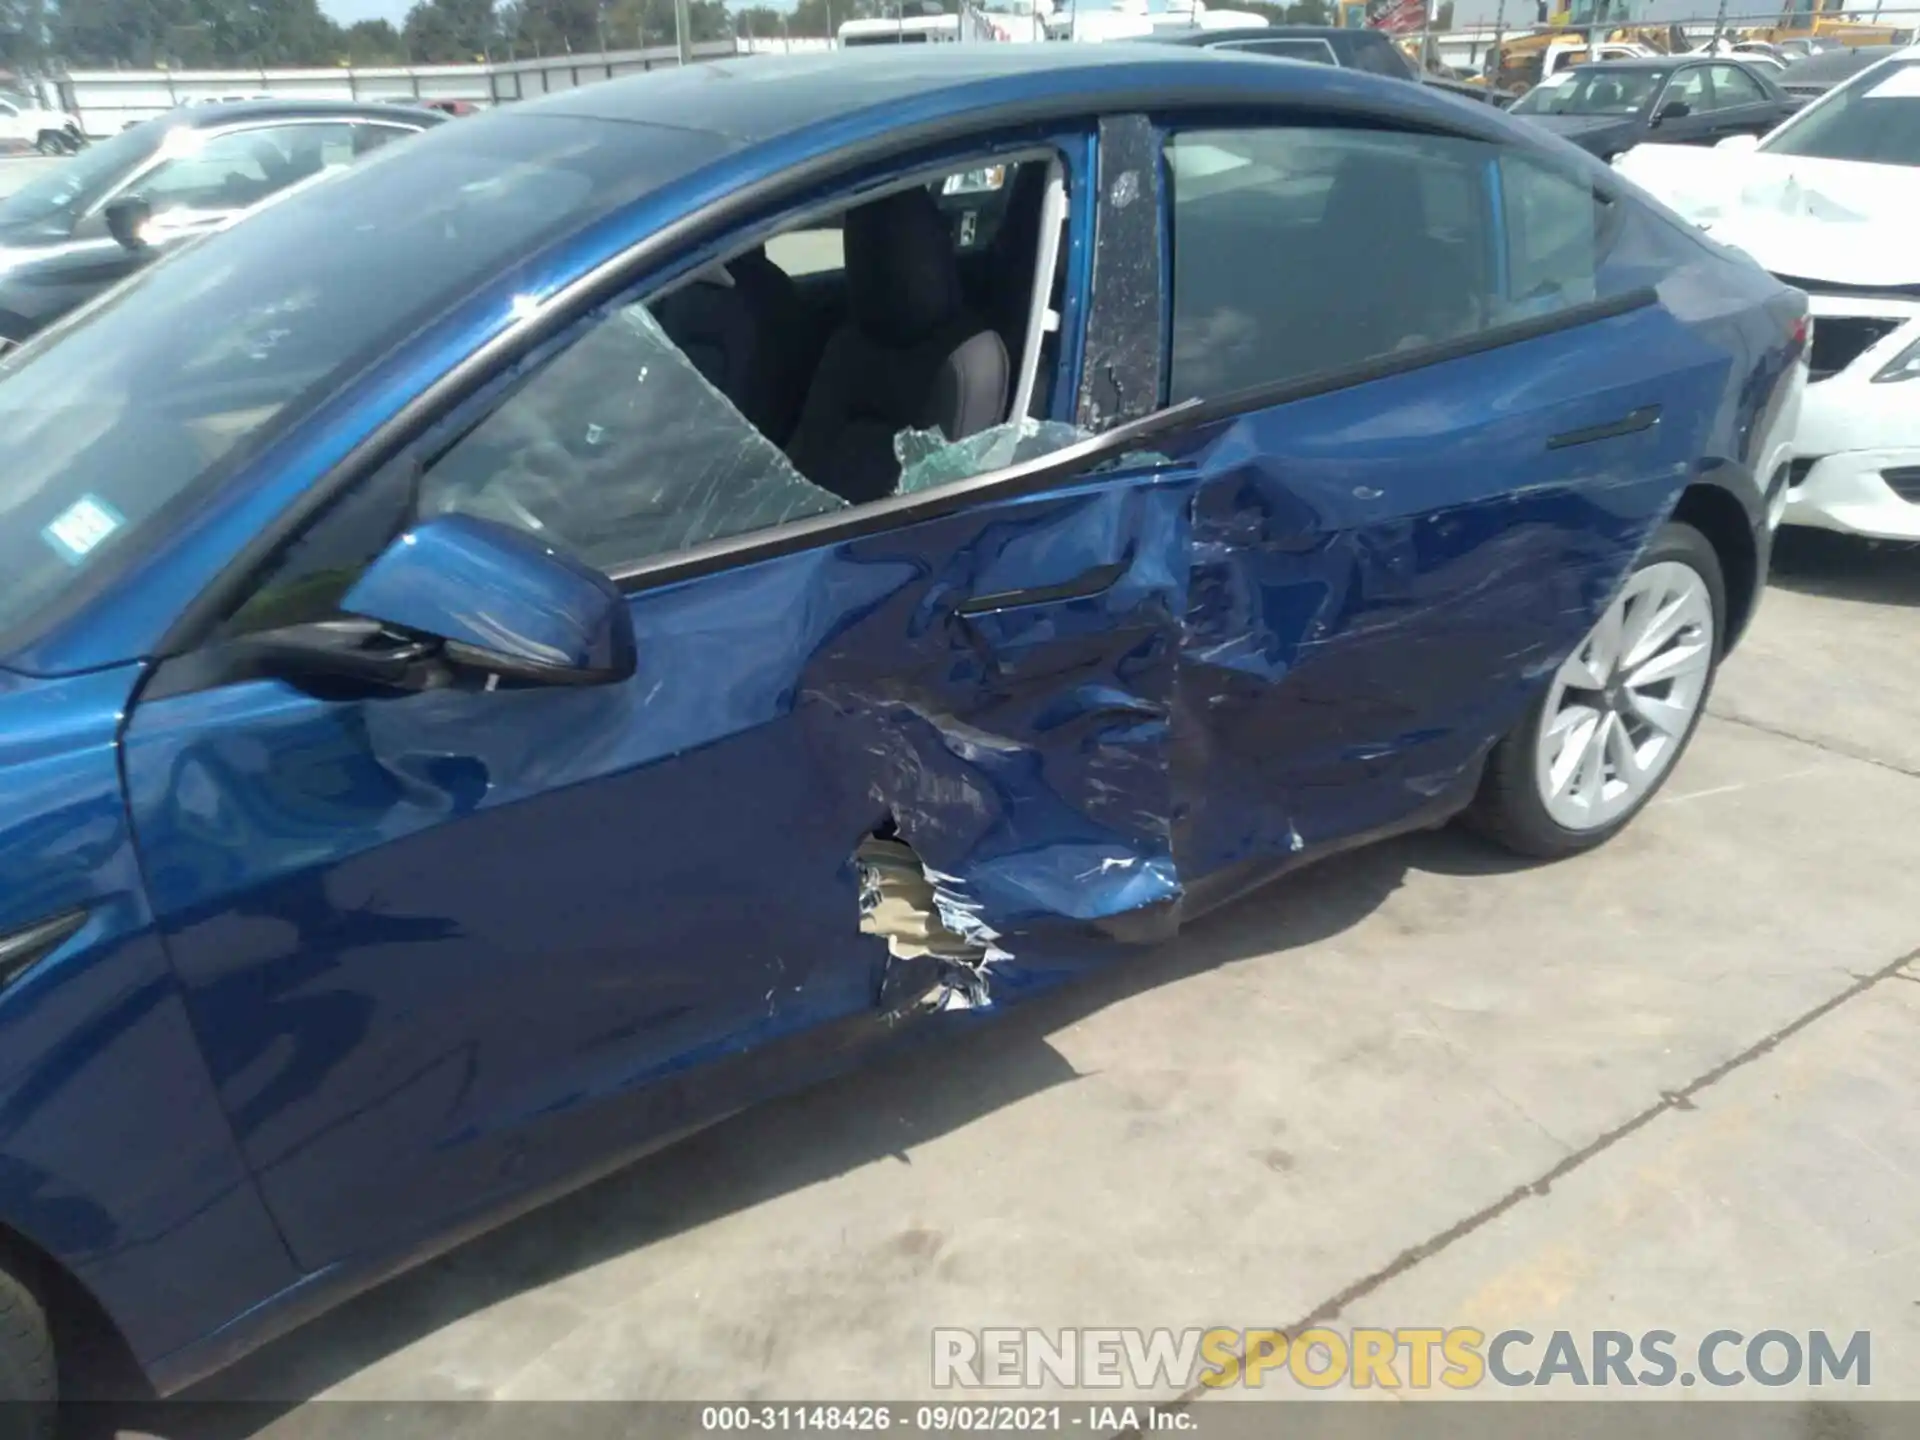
1824, 20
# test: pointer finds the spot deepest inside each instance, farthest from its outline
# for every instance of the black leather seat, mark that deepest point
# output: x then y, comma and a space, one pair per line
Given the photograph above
737, 330
786, 357
910, 356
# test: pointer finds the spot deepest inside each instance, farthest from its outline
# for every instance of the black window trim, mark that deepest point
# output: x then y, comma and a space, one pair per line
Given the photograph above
767, 201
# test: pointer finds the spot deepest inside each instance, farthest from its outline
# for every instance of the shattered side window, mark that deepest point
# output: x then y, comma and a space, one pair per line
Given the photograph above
927, 458
622, 451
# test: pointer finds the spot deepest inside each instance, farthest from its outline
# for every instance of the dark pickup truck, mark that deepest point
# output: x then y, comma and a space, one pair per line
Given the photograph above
1369, 50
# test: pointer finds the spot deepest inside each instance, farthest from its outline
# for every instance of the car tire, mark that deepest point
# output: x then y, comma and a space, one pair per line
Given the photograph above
1548, 792
52, 142
29, 1379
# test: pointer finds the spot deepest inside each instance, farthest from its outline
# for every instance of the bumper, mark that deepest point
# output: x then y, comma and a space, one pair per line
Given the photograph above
1857, 450
1859, 492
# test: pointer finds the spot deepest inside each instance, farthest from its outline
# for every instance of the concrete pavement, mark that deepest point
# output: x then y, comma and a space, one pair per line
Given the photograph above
1666, 1085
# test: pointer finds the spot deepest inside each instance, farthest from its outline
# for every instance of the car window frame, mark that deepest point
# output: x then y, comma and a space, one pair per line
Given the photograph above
1605, 192
444, 430
1670, 91
1747, 76
653, 259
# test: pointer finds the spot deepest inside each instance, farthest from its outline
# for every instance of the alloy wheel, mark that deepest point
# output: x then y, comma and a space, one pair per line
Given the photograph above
1622, 705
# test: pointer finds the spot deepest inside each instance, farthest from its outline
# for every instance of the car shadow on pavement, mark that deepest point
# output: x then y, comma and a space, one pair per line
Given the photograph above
884, 1109
1847, 567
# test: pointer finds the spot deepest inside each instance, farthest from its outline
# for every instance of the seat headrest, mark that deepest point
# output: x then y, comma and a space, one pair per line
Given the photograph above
902, 280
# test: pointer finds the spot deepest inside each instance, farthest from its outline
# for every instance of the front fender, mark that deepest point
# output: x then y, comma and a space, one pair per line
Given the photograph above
115, 1158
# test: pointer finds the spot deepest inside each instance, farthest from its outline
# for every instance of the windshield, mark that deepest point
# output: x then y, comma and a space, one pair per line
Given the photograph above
1591, 92
171, 381
71, 186
1874, 117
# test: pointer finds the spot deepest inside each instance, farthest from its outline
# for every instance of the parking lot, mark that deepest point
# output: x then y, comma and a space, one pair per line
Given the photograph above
1667, 1085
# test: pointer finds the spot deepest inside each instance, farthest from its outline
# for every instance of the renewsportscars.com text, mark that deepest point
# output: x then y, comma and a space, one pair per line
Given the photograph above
1412, 1358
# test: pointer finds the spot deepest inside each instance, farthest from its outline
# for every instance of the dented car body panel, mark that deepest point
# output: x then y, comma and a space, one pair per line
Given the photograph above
439, 949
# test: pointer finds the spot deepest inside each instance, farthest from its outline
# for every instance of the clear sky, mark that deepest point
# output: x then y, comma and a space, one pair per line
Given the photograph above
348, 11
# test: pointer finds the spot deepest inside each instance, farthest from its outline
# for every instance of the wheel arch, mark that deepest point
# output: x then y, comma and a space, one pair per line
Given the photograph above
1717, 513
91, 1350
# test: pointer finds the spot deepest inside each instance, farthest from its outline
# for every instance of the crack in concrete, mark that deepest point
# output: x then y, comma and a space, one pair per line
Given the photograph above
1669, 1101
1825, 746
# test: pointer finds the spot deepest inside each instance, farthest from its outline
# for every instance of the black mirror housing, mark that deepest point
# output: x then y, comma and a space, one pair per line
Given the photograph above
127, 219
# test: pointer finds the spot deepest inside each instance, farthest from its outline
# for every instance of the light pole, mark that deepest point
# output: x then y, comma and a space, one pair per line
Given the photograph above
683, 31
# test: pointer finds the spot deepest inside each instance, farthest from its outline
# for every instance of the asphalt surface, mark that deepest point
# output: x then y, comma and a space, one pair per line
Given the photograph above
1667, 1085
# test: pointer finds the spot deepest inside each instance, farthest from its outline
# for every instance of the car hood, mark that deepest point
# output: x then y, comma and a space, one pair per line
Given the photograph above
1837, 221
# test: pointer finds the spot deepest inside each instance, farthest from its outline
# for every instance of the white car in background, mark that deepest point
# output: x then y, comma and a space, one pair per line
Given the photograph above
27, 125
1830, 203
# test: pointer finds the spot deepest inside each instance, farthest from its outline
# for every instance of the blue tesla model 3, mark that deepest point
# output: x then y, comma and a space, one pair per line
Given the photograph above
618, 607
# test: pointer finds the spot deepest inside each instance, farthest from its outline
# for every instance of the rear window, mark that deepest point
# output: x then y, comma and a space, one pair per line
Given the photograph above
162, 389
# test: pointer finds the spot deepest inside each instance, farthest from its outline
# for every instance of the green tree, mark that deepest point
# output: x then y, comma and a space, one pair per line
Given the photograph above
23, 33
650, 22
449, 32
763, 21
557, 27
373, 42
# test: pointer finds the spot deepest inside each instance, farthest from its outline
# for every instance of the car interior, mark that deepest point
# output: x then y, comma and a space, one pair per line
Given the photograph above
920, 322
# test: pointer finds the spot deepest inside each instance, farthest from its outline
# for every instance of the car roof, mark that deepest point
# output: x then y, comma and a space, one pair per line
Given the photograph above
749, 99
226, 112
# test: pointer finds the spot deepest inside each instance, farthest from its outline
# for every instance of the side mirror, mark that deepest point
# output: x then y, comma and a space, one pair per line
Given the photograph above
127, 220
500, 602
1740, 144
1673, 110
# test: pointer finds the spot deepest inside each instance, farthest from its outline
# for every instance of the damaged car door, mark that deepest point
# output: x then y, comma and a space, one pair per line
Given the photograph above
1451, 419
447, 939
